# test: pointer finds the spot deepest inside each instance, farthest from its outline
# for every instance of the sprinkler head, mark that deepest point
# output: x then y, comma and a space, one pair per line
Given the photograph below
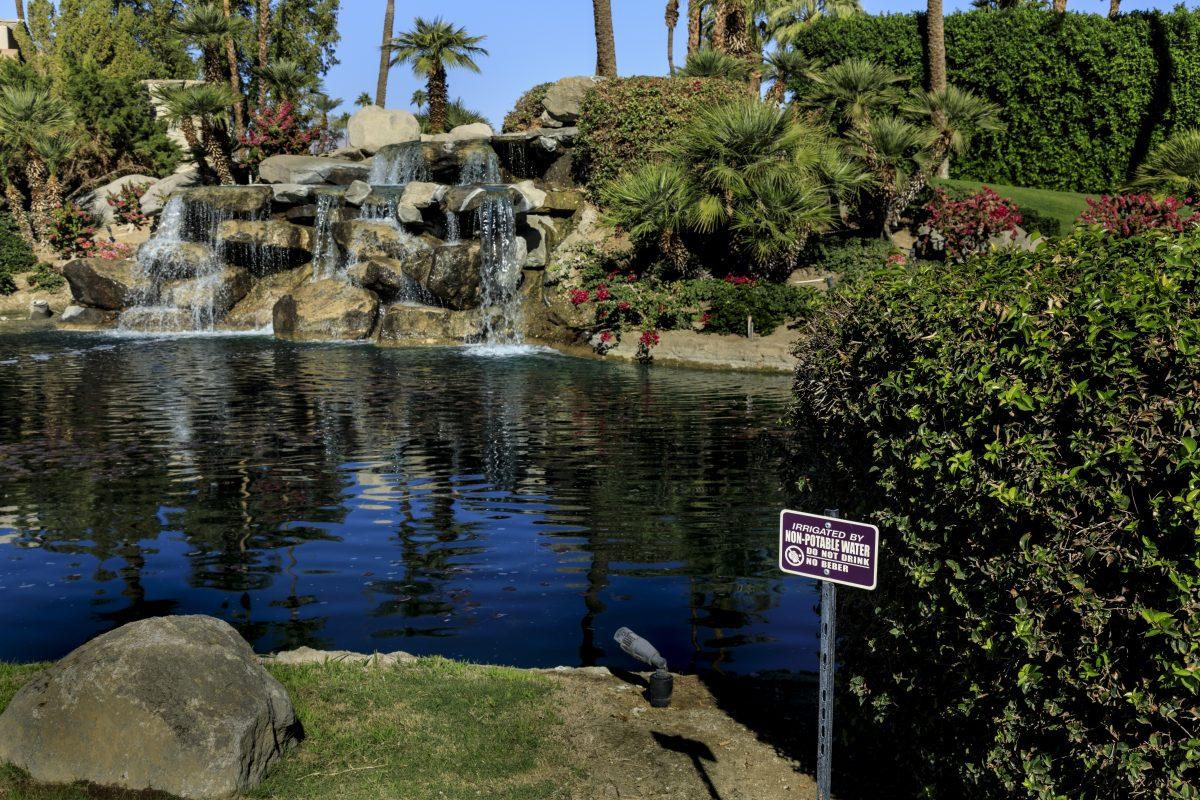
661, 682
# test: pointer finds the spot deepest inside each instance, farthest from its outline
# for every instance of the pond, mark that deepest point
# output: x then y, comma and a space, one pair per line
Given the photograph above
513, 510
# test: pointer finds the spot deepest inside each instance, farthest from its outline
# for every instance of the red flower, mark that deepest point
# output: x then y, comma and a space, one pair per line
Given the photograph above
623, 306
580, 296
606, 337
649, 339
602, 293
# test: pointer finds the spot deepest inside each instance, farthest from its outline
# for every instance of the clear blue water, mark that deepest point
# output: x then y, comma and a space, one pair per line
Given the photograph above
505, 510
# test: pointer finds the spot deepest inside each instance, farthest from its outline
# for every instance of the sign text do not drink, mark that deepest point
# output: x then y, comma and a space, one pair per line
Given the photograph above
829, 549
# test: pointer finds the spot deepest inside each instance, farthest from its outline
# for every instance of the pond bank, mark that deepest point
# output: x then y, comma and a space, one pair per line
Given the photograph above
431, 728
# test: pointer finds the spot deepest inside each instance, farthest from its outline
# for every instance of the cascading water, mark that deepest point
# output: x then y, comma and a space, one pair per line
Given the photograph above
501, 278
325, 251
480, 167
453, 229
396, 166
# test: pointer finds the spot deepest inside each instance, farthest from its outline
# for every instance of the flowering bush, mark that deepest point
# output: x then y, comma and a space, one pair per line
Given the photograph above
277, 130
1133, 214
73, 229
112, 251
964, 227
126, 204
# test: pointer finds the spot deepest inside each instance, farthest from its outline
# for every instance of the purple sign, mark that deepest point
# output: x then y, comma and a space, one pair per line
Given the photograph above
829, 549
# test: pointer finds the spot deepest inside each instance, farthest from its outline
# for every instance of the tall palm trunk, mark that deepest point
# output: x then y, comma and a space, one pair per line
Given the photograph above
214, 70
216, 153
695, 17
264, 28
20, 10
672, 19
16, 210
606, 40
385, 57
438, 99
935, 25
1060, 6
235, 78
41, 207
1114, 8
188, 128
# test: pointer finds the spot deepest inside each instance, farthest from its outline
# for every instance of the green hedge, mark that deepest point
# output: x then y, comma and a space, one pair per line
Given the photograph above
625, 121
16, 257
1023, 427
1084, 97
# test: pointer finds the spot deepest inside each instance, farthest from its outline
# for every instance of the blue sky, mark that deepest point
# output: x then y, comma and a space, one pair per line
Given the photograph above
532, 41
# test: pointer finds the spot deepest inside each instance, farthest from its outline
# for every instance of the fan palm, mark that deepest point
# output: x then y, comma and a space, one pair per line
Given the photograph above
287, 80
1173, 166
420, 99
852, 90
208, 28
785, 68
363, 100
323, 104
432, 48
671, 18
29, 116
211, 104
708, 63
652, 204
785, 21
55, 151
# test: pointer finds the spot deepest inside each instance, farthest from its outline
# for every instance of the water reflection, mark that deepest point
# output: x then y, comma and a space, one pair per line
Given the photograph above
503, 510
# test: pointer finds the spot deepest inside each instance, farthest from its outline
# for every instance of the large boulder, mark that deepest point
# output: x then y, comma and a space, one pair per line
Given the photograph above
326, 310
96, 202
395, 280
265, 246
215, 294
406, 323
81, 317
177, 704
564, 100
175, 260
542, 235
255, 311
363, 239
232, 201
373, 128
107, 285
159, 192
455, 279
423, 195
312, 170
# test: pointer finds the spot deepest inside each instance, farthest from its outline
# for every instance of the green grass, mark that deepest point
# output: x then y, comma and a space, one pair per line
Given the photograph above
1063, 206
434, 730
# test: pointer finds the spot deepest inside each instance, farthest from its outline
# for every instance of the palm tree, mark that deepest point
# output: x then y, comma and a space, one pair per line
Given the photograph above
55, 151
852, 91
432, 48
363, 100
287, 80
935, 26
708, 63
30, 116
672, 20
420, 99
1173, 166
20, 10
210, 103
323, 104
1114, 9
264, 29
695, 18
1060, 6
784, 68
235, 73
786, 20
606, 40
173, 102
389, 17
14, 197
207, 27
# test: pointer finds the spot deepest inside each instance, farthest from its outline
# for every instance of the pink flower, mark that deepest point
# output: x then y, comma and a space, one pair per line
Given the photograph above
580, 296
606, 336
649, 339
602, 293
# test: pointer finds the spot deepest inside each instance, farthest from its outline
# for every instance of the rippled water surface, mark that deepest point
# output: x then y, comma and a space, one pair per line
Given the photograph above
511, 510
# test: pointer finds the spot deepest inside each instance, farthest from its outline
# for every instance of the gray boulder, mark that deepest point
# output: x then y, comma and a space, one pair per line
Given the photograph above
219, 292
96, 202
312, 170
326, 310
86, 317
423, 195
357, 193
455, 279
289, 193
177, 704
365, 239
564, 100
407, 324
373, 128
395, 280
159, 192
265, 246
107, 285
40, 309
239, 201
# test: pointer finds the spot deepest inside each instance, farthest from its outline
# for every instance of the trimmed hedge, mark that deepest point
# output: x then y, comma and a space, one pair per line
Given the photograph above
1084, 97
625, 121
1023, 428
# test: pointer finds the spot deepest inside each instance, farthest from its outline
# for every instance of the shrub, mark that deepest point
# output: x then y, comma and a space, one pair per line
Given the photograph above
456, 114
1033, 220
117, 114
46, 278
732, 303
126, 204
965, 227
277, 130
15, 254
1112, 88
72, 231
1135, 214
527, 113
1024, 430
625, 122
850, 258
112, 251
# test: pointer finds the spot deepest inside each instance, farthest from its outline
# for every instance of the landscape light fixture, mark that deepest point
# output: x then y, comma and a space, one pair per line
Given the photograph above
661, 682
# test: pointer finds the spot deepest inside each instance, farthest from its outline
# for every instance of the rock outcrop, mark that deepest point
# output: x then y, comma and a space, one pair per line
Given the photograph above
326, 310
373, 128
178, 705
106, 285
408, 324
312, 170
256, 310
564, 100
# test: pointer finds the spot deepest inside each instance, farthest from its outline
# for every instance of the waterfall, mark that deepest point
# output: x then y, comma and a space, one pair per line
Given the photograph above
501, 278
398, 165
385, 211
325, 251
169, 271
480, 167
453, 229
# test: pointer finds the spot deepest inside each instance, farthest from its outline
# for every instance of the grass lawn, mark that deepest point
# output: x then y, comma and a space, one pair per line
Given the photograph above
1063, 206
434, 730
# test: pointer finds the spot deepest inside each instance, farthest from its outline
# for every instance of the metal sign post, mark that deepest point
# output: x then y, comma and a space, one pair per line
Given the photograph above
833, 551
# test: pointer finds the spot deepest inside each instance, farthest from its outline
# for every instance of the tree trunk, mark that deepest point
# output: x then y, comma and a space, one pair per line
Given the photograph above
40, 209
217, 155
264, 29
438, 99
188, 128
606, 41
1060, 6
935, 24
672, 20
20, 10
695, 10
235, 78
778, 93
385, 56
16, 210
1114, 8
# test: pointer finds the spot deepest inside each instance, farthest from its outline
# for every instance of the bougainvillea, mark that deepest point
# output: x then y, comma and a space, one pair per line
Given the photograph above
277, 130
72, 232
126, 204
964, 227
112, 251
1134, 214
